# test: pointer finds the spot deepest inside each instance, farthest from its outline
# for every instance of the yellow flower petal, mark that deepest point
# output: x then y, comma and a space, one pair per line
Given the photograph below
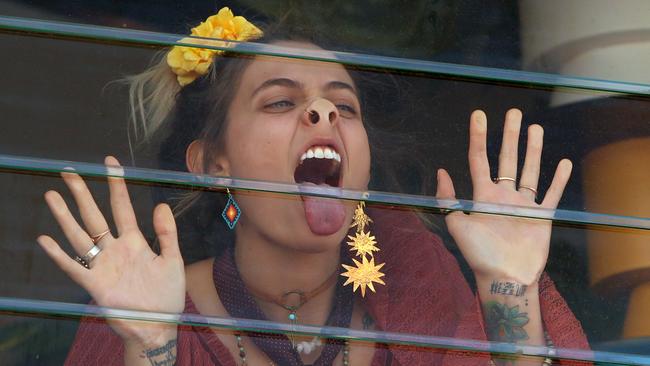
223, 16
175, 57
202, 68
203, 30
186, 79
191, 56
188, 63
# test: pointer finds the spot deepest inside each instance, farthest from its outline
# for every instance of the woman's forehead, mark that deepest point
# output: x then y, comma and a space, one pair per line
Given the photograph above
306, 71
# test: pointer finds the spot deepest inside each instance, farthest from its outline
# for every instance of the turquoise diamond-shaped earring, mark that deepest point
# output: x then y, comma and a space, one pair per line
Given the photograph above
231, 212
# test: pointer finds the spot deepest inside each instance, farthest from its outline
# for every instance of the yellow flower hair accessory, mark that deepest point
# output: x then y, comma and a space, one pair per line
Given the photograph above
189, 63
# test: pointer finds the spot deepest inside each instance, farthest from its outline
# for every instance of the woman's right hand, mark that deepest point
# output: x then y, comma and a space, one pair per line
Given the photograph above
126, 274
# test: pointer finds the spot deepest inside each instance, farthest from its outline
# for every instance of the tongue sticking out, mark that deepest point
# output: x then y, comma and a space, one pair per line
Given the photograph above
325, 216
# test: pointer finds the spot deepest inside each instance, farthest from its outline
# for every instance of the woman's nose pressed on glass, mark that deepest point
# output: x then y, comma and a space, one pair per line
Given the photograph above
321, 109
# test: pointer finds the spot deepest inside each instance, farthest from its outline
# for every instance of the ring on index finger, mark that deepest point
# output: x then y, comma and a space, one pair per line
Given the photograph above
100, 236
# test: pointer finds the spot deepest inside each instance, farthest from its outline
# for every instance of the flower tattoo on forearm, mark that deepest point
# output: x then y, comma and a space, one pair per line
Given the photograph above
505, 324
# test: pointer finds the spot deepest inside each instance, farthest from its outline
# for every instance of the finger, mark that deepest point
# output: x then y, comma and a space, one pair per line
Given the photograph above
445, 188
555, 191
165, 228
530, 172
74, 270
90, 214
479, 166
75, 234
509, 148
120, 202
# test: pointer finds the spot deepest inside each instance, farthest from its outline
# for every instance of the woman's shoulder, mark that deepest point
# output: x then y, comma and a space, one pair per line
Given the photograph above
201, 292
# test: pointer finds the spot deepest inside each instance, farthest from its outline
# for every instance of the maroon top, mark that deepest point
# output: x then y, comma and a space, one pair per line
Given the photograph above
425, 294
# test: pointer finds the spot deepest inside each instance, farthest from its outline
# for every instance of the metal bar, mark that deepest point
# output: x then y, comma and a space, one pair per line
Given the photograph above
92, 32
27, 164
40, 307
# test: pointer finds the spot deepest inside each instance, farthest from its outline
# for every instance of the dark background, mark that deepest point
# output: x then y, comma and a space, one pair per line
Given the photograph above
59, 101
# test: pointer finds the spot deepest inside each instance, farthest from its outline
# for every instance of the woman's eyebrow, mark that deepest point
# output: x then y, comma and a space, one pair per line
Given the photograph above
332, 85
277, 82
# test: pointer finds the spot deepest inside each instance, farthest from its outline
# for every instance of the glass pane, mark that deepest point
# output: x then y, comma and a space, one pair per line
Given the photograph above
577, 38
299, 135
426, 300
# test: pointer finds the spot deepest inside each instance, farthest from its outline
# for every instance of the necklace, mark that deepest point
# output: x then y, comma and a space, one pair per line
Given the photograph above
240, 303
244, 362
303, 297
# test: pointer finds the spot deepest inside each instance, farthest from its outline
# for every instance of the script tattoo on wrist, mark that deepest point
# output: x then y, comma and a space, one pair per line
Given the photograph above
162, 356
507, 288
504, 323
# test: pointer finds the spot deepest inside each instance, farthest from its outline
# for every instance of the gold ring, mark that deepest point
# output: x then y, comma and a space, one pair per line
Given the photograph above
498, 179
528, 188
98, 237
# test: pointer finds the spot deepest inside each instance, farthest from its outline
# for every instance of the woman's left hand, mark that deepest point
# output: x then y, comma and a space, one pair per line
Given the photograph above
501, 247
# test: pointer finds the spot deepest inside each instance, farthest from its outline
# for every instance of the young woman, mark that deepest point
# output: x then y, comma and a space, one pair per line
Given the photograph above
302, 122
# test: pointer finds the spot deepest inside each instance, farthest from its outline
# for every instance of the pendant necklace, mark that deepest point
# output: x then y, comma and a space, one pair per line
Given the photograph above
302, 298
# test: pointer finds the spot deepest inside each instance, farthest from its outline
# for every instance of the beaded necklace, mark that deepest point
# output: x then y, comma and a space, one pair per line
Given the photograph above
244, 362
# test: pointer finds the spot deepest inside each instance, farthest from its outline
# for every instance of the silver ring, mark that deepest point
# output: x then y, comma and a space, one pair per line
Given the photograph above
81, 261
91, 254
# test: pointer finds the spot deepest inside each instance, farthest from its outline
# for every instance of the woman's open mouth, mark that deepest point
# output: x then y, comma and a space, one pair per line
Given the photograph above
321, 165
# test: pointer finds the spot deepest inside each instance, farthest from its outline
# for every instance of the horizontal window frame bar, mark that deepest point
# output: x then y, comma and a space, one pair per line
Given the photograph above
28, 164
132, 36
42, 307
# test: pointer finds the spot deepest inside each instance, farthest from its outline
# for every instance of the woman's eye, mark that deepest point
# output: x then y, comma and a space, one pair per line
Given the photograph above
279, 105
346, 110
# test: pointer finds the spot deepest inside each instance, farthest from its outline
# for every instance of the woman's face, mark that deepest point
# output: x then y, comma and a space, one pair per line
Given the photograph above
298, 122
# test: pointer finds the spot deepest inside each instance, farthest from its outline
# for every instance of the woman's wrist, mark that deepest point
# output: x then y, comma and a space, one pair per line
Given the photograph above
493, 287
158, 350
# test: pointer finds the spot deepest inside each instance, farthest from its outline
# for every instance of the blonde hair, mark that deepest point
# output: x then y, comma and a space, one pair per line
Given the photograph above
152, 96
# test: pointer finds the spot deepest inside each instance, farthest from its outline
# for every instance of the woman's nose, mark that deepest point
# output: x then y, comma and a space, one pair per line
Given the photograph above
321, 110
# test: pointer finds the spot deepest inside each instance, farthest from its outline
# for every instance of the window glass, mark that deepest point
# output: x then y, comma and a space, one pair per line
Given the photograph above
266, 158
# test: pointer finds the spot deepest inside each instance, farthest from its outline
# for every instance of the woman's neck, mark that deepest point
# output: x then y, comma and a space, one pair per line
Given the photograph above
275, 270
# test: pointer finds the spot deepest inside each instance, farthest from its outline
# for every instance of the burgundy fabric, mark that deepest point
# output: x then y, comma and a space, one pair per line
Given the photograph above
240, 304
425, 294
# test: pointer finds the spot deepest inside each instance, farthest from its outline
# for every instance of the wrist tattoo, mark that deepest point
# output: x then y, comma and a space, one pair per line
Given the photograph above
507, 288
503, 323
162, 356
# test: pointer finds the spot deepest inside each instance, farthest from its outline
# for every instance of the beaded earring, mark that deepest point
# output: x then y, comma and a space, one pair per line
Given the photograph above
231, 212
365, 272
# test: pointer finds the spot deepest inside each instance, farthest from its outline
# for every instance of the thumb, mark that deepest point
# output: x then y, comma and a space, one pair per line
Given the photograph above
165, 227
445, 188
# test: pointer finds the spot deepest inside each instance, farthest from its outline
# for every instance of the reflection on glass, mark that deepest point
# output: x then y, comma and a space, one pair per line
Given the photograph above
292, 218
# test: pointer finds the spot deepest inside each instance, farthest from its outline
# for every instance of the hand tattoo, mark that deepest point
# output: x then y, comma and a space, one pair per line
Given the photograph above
505, 324
162, 356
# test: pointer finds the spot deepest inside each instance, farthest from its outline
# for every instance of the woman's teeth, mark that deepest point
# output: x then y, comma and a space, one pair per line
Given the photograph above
320, 152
